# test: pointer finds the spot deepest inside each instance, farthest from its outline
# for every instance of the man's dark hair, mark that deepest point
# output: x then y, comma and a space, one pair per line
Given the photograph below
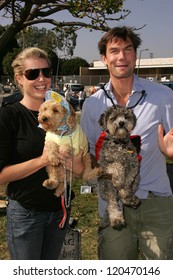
124, 33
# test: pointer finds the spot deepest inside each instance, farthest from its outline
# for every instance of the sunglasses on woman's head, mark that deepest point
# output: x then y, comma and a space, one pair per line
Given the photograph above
33, 74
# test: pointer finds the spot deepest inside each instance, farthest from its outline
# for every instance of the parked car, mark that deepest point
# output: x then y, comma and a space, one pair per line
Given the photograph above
12, 98
74, 87
60, 91
74, 90
73, 98
168, 84
17, 96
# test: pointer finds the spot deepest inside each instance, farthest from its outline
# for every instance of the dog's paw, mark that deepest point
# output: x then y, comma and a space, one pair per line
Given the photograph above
134, 202
99, 171
118, 223
58, 192
50, 184
92, 174
119, 226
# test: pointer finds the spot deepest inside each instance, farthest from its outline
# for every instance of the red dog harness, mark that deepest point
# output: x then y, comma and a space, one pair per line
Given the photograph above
136, 140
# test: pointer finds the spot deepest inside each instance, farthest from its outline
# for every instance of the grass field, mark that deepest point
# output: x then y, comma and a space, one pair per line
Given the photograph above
84, 211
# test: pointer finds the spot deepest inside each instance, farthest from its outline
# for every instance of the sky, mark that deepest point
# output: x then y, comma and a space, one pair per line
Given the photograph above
157, 35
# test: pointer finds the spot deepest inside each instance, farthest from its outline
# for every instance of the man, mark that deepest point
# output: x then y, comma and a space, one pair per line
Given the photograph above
149, 227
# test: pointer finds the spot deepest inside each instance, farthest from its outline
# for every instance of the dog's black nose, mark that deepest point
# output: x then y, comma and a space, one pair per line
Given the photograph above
121, 124
44, 119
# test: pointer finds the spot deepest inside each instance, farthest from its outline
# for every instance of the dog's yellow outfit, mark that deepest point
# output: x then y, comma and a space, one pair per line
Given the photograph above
77, 139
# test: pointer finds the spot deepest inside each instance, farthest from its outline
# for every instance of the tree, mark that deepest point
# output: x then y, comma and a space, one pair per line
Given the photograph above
71, 66
12, 44
44, 38
83, 14
6, 63
57, 40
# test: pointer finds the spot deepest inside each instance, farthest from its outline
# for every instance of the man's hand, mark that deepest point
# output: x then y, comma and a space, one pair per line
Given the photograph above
165, 142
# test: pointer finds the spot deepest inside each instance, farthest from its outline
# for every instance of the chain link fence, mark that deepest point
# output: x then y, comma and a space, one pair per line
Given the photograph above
87, 81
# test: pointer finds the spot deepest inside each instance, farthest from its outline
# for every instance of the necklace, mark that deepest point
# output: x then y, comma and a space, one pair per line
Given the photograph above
34, 115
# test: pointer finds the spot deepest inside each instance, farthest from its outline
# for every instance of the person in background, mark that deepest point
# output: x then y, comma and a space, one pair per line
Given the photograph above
82, 96
34, 213
67, 93
57, 86
149, 228
92, 90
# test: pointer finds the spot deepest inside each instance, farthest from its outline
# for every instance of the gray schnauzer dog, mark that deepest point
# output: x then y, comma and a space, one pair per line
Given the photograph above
119, 161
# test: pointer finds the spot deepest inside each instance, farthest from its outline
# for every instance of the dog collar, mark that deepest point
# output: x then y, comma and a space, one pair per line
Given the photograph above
64, 128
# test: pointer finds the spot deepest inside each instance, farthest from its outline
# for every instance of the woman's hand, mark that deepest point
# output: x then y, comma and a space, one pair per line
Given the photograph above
66, 160
165, 142
44, 157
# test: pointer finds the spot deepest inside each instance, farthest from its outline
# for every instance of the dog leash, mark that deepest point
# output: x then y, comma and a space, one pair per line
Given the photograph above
66, 198
114, 105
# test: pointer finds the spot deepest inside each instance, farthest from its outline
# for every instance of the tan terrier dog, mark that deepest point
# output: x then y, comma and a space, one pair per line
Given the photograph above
63, 133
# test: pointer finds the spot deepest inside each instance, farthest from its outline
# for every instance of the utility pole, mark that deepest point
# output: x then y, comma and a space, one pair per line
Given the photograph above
140, 54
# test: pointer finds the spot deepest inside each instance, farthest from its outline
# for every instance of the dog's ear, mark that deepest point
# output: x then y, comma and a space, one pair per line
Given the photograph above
104, 118
102, 121
62, 110
71, 118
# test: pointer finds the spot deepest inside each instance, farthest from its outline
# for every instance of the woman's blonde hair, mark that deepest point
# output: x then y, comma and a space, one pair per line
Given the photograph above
31, 52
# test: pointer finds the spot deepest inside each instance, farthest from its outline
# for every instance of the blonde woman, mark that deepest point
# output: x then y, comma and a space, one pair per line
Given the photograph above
33, 212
